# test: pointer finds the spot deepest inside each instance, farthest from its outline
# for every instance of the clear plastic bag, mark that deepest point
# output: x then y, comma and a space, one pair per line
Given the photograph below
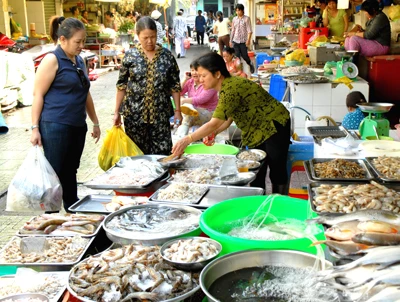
36, 186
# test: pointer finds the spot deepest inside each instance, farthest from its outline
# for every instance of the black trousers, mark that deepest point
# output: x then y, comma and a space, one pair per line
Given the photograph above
200, 35
277, 148
241, 52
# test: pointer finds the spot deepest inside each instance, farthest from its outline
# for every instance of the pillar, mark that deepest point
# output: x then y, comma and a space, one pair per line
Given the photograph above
4, 18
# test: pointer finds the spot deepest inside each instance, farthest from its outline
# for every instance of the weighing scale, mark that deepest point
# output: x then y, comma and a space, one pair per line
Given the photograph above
374, 119
345, 67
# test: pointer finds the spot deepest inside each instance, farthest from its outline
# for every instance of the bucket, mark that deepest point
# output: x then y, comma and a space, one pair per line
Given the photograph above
3, 126
215, 149
215, 223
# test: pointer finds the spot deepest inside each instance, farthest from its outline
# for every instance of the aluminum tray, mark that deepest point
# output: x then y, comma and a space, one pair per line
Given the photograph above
154, 186
25, 297
154, 197
318, 80
259, 152
379, 174
326, 131
62, 275
152, 158
96, 204
312, 185
46, 267
67, 234
367, 173
207, 161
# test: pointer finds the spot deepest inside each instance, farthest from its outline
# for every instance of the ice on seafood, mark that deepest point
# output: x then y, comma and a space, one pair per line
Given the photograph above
190, 250
181, 192
199, 176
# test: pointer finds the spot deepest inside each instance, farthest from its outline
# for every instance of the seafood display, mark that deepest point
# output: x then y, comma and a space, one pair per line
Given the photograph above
295, 70
120, 202
62, 224
180, 192
350, 198
387, 166
199, 176
190, 250
48, 284
25, 299
55, 250
133, 272
306, 79
338, 168
255, 155
148, 222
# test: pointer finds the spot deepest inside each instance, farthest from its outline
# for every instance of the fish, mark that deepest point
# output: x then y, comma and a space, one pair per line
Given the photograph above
377, 226
343, 248
384, 256
388, 294
343, 231
48, 222
364, 215
372, 238
391, 278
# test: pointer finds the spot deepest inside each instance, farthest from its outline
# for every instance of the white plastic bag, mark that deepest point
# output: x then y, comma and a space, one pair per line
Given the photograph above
35, 186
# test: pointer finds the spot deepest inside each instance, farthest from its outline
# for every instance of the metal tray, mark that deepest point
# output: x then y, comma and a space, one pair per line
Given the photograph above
8, 279
213, 161
318, 80
154, 197
367, 173
95, 204
379, 174
67, 234
46, 267
213, 181
326, 131
25, 297
259, 152
312, 185
154, 186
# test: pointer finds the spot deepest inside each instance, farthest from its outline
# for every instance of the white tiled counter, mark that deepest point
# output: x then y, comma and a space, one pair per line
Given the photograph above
324, 99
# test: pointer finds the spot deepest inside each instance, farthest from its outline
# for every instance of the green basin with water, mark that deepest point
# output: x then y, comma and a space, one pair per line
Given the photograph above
215, 222
215, 149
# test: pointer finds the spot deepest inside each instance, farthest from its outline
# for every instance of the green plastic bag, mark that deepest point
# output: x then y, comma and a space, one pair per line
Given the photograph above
116, 144
328, 67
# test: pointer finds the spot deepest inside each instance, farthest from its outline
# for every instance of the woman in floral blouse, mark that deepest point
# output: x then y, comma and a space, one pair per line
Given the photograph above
148, 77
265, 122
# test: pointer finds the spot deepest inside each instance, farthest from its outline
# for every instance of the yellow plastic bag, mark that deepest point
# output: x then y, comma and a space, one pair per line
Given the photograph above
116, 145
319, 39
394, 12
296, 55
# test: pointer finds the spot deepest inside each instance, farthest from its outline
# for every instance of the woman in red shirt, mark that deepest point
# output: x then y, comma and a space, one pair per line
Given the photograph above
233, 64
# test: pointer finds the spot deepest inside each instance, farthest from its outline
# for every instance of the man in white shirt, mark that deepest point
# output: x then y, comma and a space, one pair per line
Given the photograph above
180, 33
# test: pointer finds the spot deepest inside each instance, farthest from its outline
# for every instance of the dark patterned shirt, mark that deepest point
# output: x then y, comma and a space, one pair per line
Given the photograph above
252, 108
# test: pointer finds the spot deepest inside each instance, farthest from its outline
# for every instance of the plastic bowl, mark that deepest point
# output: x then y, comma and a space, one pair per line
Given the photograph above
293, 63
215, 149
215, 223
190, 265
382, 138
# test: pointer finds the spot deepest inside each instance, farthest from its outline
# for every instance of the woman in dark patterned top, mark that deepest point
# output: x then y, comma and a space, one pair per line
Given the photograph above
265, 122
148, 77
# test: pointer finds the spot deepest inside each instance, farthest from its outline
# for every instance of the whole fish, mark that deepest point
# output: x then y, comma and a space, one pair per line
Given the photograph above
391, 278
364, 215
377, 238
343, 231
343, 248
388, 294
384, 256
377, 226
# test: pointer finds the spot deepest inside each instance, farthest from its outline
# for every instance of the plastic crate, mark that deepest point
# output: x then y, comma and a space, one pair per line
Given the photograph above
261, 57
277, 87
300, 150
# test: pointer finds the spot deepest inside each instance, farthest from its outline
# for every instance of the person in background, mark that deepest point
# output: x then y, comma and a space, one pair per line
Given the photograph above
75, 12
85, 17
200, 27
320, 7
109, 21
335, 19
61, 101
264, 121
155, 15
221, 28
198, 100
148, 77
241, 35
180, 33
352, 120
375, 39
210, 22
233, 64
129, 17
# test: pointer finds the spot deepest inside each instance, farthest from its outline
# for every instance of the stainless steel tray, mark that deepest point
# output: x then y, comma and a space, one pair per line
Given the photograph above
96, 231
213, 161
367, 173
261, 153
379, 174
46, 267
154, 197
326, 131
154, 186
312, 79
9, 279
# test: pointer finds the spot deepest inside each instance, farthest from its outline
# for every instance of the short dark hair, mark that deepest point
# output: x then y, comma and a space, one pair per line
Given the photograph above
180, 13
83, 12
145, 23
108, 13
239, 7
336, 1
128, 14
199, 11
59, 26
213, 62
370, 6
354, 98
73, 9
229, 50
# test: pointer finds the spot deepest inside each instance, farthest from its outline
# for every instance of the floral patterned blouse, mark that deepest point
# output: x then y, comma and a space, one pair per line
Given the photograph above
148, 84
252, 108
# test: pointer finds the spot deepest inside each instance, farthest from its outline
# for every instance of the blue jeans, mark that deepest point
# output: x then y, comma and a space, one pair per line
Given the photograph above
63, 147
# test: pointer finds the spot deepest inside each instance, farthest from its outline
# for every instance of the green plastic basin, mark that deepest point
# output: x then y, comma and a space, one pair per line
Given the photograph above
215, 149
215, 223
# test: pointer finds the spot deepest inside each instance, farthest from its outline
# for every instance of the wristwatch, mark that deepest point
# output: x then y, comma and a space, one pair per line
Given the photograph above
34, 126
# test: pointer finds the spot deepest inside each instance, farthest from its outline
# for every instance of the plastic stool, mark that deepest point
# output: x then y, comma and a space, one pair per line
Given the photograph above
298, 192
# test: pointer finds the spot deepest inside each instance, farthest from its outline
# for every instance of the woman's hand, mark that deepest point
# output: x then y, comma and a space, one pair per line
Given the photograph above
179, 148
117, 119
36, 138
96, 133
177, 118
